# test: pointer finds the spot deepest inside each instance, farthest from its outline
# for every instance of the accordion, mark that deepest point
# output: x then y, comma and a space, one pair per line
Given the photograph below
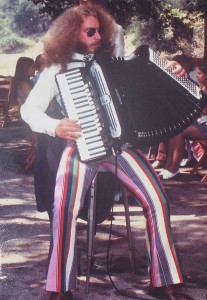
127, 101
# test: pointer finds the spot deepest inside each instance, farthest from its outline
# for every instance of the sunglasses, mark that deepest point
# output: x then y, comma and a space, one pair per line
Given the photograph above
92, 31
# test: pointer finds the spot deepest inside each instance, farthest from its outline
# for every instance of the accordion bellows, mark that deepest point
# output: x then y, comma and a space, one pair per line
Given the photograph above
134, 101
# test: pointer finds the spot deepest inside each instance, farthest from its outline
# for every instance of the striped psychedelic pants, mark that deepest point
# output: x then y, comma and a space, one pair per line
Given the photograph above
72, 182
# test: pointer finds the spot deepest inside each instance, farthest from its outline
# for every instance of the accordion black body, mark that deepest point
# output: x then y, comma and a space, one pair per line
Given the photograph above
149, 103
152, 105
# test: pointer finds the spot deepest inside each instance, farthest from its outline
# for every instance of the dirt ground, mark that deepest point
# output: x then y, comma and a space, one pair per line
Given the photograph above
24, 235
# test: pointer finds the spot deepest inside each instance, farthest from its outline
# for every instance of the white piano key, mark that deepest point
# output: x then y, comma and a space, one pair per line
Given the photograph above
96, 136
99, 150
95, 145
76, 85
82, 105
85, 113
79, 94
89, 135
77, 90
79, 104
92, 128
73, 73
80, 100
89, 125
84, 116
87, 130
84, 109
87, 120
72, 77
99, 154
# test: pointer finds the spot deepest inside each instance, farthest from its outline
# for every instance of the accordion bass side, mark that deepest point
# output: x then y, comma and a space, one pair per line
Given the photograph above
153, 104
136, 100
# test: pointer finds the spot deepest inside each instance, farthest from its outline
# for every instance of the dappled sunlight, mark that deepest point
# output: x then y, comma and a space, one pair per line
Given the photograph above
22, 250
13, 258
24, 240
182, 217
22, 220
13, 201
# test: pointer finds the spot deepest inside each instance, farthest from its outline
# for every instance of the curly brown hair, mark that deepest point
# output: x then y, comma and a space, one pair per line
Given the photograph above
63, 35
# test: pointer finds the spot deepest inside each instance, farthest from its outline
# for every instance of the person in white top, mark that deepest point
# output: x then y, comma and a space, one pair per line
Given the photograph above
76, 35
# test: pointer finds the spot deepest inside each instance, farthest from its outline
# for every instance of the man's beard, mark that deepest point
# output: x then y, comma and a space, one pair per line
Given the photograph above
83, 48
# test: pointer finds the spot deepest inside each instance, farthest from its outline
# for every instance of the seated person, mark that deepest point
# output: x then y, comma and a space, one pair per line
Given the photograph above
22, 83
196, 131
187, 63
39, 67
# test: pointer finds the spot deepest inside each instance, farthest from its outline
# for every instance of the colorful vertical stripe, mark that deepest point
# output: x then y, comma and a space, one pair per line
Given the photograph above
134, 171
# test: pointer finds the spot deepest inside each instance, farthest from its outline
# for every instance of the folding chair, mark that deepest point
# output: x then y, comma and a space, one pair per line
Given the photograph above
31, 152
202, 162
5, 94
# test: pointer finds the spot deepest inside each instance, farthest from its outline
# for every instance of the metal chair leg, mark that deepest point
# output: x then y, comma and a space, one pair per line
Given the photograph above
90, 231
129, 232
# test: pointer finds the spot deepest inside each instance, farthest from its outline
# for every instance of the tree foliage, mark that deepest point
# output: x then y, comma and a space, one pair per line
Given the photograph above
20, 22
27, 18
53, 8
125, 10
23, 16
182, 32
169, 25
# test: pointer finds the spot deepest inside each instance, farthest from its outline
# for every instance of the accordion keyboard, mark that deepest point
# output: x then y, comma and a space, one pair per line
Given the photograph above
78, 104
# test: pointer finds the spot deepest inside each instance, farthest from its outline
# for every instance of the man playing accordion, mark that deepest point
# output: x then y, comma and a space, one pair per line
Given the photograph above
80, 31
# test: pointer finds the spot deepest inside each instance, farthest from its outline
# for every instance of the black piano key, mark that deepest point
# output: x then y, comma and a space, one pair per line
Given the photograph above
91, 137
89, 115
95, 149
98, 153
89, 126
80, 97
75, 89
84, 112
86, 122
80, 102
88, 129
95, 146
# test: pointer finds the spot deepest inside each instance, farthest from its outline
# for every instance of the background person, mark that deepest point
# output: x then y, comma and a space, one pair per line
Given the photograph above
22, 81
39, 67
187, 63
196, 131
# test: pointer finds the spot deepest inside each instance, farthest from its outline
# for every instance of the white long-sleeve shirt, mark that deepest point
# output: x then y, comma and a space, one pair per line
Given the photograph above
33, 110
